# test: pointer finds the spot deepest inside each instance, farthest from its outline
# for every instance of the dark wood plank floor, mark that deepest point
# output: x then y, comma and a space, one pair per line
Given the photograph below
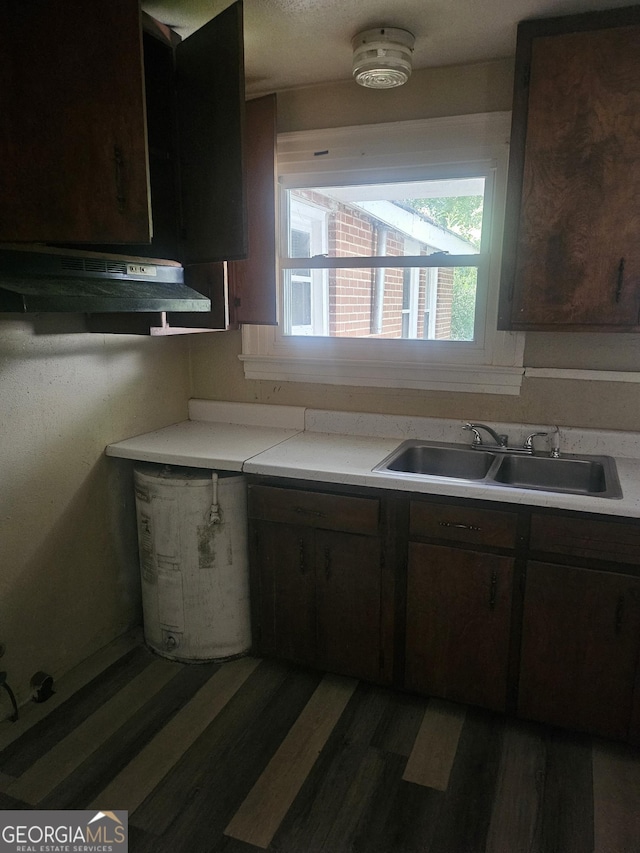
262, 755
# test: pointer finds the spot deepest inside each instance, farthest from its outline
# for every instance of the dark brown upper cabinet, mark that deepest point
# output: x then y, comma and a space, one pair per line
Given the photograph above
240, 291
571, 252
244, 291
119, 139
73, 146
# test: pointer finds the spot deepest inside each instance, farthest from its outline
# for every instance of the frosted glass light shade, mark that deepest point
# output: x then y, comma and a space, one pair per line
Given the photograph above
382, 57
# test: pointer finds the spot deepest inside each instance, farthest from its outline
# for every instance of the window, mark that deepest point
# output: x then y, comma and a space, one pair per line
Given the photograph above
400, 227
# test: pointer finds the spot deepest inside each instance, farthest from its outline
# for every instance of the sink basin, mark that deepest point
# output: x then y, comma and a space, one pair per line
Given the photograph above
595, 476
440, 461
580, 476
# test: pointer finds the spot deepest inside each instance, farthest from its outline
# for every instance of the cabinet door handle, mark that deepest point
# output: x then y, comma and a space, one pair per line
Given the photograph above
118, 164
327, 563
301, 561
620, 280
301, 510
619, 615
458, 526
493, 589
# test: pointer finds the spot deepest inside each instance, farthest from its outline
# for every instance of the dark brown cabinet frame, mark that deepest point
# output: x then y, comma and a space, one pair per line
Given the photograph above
79, 131
624, 284
605, 551
324, 576
73, 140
119, 137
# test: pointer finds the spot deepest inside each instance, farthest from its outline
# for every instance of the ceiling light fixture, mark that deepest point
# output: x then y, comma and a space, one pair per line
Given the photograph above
382, 57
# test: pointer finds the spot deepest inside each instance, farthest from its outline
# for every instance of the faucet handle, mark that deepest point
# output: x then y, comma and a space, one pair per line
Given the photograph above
477, 438
528, 442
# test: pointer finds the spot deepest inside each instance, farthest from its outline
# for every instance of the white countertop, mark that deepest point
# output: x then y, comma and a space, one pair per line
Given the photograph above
342, 447
349, 459
198, 444
217, 435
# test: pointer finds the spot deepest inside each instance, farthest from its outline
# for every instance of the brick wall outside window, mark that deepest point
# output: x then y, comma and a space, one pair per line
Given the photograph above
353, 233
443, 303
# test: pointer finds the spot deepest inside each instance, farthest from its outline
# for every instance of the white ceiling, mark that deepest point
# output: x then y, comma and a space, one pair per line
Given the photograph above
300, 42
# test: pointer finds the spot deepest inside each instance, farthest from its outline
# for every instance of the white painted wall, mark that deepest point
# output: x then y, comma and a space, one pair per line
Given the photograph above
457, 90
69, 580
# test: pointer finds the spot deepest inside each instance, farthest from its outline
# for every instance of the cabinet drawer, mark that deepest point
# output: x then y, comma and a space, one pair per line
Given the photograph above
463, 524
600, 540
314, 509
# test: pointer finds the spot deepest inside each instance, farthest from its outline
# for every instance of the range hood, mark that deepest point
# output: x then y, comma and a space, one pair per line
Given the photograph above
44, 279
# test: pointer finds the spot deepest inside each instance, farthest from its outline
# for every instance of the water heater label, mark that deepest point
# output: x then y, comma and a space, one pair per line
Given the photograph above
142, 269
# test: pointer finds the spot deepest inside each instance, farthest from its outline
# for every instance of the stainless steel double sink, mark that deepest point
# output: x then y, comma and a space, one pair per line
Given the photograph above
594, 476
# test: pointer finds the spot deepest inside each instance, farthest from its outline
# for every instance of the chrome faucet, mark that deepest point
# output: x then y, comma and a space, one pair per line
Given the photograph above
501, 440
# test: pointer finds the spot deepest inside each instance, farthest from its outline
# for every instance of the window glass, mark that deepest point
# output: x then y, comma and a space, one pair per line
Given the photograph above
435, 226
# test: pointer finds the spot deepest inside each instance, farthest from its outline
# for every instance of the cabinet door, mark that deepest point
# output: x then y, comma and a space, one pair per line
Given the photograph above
580, 637
251, 293
284, 600
573, 259
252, 282
458, 624
348, 584
73, 155
210, 98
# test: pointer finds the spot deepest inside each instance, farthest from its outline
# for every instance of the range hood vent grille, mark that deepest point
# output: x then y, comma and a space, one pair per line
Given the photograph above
97, 265
72, 263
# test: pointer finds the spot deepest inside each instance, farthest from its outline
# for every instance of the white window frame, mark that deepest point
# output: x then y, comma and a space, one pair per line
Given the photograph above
411, 247
399, 151
312, 219
430, 304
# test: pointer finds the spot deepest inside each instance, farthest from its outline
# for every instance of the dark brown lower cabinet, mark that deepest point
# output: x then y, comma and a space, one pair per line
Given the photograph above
285, 606
512, 609
458, 624
317, 591
580, 643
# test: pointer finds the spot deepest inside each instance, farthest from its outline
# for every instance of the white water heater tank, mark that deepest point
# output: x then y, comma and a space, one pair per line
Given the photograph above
192, 539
